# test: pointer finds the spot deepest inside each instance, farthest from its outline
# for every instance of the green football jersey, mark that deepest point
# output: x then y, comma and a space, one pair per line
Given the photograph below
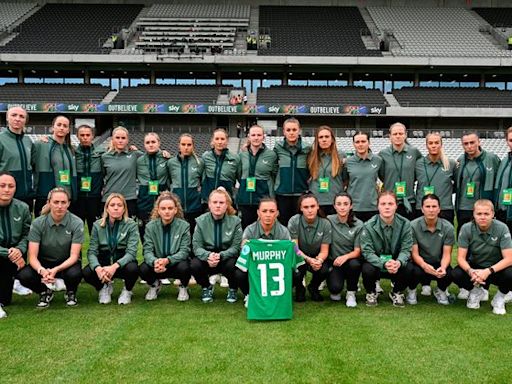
270, 265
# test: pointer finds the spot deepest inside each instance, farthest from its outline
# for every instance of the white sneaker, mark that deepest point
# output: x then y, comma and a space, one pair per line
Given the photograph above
246, 300
143, 281
485, 295
60, 285
475, 295
177, 282
508, 297
214, 279
378, 288
411, 297
322, 285
426, 290
351, 301
125, 297
498, 304
463, 294
19, 289
165, 281
153, 290
192, 281
371, 299
3, 314
224, 282
441, 296
397, 298
335, 296
183, 293
105, 294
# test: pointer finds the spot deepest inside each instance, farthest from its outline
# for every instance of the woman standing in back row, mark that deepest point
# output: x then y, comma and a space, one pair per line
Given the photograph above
185, 173
293, 174
258, 166
54, 164
398, 169
120, 169
436, 174
325, 165
220, 166
362, 173
152, 177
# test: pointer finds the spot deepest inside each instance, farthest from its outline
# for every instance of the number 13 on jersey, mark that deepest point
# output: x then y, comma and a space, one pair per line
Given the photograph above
270, 265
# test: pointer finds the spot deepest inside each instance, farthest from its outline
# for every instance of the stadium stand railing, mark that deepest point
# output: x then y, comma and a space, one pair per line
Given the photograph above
56, 93
453, 97
319, 95
207, 94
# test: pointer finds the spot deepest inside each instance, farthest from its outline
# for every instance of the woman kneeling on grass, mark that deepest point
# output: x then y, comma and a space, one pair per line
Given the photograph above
113, 251
55, 240
345, 252
313, 236
216, 244
166, 247
386, 243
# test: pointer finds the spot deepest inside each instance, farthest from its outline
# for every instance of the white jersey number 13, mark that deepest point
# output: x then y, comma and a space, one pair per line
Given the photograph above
279, 279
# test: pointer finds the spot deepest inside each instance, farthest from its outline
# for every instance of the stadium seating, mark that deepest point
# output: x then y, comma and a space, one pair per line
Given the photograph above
207, 94
453, 97
71, 28
52, 93
497, 17
314, 31
445, 32
11, 12
191, 28
211, 11
320, 95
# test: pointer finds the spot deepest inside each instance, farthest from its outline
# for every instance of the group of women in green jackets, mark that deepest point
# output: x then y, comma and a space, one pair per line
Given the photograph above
182, 207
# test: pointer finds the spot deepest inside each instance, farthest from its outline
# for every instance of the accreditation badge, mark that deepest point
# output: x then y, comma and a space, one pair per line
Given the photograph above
153, 187
250, 184
470, 189
507, 196
400, 188
428, 190
64, 178
85, 184
323, 184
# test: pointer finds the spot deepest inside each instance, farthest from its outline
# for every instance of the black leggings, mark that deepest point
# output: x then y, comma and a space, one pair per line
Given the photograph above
89, 209
249, 214
201, 270
371, 274
350, 271
287, 207
32, 280
318, 276
129, 273
7, 272
420, 276
180, 271
502, 279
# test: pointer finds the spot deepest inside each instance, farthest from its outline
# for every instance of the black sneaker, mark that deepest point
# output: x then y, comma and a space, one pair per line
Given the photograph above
70, 298
45, 298
300, 294
315, 294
